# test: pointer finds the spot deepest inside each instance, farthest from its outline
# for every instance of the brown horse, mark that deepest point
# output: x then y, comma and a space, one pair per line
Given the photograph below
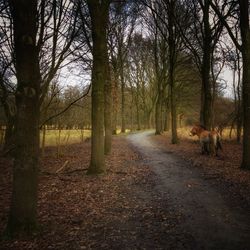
210, 140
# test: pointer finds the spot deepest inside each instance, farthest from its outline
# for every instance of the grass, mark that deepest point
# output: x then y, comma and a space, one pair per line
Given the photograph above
67, 136
72, 136
64, 137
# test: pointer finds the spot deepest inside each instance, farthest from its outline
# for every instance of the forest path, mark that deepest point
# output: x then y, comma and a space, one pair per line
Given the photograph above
210, 214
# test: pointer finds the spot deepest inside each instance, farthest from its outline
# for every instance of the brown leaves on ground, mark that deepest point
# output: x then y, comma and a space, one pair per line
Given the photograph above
225, 167
117, 210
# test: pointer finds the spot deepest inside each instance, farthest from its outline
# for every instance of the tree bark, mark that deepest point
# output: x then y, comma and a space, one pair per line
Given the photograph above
99, 19
108, 109
123, 128
9, 132
172, 61
158, 105
114, 102
158, 113
206, 95
23, 209
245, 35
166, 120
137, 102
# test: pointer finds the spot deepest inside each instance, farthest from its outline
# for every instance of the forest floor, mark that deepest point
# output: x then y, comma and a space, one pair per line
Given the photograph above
146, 200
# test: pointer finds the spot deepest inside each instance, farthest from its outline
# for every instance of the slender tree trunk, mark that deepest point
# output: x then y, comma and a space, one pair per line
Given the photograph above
158, 113
115, 103
239, 109
10, 113
59, 142
2, 134
23, 209
237, 99
108, 109
167, 120
137, 102
173, 115
43, 140
9, 133
99, 19
158, 105
138, 117
172, 59
131, 119
245, 34
206, 95
123, 129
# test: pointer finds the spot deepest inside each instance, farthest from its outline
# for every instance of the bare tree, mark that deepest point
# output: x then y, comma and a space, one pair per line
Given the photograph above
123, 16
99, 12
244, 27
22, 216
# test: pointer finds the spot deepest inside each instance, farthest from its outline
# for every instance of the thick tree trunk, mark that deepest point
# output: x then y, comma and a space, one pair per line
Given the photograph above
245, 34
23, 209
206, 95
99, 20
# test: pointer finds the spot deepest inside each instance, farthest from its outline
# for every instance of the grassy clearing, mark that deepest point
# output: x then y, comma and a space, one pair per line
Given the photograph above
67, 136
64, 137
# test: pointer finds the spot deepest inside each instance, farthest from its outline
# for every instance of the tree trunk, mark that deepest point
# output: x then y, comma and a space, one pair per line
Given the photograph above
108, 109
9, 107
115, 103
138, 117
206, 95
158, 105
158, 114
9, 132
166, 120
23, 209
137, 102
172, 59
173, 115
99, 19
123, 129
245, 35
43, 140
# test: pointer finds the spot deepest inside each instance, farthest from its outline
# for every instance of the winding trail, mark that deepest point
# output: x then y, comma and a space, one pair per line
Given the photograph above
212, 220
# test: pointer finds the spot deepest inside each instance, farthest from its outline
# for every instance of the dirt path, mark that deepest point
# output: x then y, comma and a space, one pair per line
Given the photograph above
213, 221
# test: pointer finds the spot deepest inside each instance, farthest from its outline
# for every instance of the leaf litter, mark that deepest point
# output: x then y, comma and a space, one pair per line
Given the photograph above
121, 209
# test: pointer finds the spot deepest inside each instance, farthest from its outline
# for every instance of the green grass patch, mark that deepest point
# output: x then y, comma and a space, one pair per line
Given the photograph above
64, 137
